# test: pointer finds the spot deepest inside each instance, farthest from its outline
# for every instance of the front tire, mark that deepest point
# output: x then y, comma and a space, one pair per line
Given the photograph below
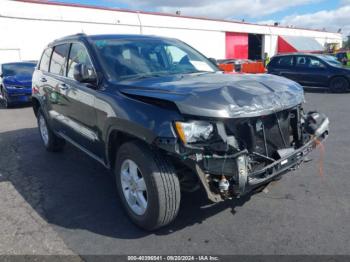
339, 84
148, 187
52, 142
4, 101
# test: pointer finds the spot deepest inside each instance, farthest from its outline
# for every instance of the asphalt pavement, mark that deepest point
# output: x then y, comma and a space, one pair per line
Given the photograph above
66, 203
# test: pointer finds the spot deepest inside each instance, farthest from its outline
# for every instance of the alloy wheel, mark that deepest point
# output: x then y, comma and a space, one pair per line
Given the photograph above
43, 129
134, 187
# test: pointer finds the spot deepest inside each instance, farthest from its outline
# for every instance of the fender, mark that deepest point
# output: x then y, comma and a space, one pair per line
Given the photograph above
149, 123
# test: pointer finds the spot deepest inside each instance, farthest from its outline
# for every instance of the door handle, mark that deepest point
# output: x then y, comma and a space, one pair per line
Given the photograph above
63, 86
43, 80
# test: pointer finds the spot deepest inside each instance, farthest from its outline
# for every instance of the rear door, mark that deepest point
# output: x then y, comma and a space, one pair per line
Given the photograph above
44, 83
55, 80
283, 66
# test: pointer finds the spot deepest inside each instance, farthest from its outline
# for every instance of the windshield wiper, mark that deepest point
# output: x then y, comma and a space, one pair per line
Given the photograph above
143, 76
197, 72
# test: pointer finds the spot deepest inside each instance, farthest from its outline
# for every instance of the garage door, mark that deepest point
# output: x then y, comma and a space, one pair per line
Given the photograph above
236, 45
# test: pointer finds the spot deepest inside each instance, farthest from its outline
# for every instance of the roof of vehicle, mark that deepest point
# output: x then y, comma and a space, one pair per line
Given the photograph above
106, 36
20, 63
296, 53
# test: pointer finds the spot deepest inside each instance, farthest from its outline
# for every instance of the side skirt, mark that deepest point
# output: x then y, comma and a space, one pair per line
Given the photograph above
98, 159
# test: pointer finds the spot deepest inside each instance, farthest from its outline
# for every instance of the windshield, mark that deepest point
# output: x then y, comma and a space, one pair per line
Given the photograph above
331, 60
123, 59
18, 69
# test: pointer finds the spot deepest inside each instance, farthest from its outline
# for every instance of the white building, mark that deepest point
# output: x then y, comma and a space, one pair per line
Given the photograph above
27, 26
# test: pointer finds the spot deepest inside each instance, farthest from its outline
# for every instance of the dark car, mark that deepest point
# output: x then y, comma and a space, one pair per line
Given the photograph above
342, 57
163, 118
312, 70
16, 82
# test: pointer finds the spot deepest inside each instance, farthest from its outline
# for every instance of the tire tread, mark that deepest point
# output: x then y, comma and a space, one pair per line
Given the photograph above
171, 189
163, 182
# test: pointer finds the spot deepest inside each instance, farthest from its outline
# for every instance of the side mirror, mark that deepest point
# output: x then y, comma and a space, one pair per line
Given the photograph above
84, 74
1, 75
214, 61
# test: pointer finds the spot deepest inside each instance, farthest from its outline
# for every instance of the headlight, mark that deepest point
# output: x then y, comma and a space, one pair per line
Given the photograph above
194, 131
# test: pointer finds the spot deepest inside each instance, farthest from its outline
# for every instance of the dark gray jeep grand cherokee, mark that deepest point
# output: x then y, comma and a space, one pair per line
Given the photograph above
164, 119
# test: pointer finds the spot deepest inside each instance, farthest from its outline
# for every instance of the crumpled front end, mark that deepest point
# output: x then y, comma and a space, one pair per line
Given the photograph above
241, 154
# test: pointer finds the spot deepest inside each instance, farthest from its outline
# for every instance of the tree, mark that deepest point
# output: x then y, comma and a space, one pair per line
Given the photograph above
346, 43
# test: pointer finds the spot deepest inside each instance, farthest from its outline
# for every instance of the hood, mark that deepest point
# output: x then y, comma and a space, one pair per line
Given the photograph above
18, 80
220, 95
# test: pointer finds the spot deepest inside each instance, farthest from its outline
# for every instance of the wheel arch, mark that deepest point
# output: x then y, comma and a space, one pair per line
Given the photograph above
335, 76
115, 139
36, 105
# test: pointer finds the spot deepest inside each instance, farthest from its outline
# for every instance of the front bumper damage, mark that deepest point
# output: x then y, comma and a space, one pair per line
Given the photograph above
249, 181
232, 174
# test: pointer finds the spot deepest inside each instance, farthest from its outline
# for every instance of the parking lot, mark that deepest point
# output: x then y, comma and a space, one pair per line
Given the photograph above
66, 203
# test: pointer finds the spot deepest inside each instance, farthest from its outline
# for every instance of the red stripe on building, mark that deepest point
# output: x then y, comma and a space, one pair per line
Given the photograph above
284, 47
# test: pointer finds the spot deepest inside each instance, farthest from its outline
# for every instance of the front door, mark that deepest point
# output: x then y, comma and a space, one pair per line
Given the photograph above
79, 100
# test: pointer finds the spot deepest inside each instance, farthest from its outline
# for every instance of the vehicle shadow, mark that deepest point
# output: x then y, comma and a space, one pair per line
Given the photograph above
71, 190
321, 90
14, 106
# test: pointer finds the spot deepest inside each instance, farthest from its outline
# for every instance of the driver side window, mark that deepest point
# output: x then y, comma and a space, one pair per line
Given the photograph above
316, 63
78, 55
308, 62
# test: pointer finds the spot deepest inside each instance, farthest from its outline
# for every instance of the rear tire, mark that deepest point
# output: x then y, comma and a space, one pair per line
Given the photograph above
52, 142
160, 199
339, 84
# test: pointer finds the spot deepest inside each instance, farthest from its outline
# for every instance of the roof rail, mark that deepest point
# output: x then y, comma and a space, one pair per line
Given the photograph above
69, 36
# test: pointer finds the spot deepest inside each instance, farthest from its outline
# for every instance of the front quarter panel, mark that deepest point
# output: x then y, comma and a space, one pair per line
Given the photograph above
143, 120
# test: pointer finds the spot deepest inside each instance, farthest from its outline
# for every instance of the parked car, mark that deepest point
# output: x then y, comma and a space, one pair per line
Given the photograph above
16, 82
342, 57
163, 118
312, 70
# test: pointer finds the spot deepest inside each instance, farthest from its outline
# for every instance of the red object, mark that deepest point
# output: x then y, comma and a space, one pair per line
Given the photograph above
284, 46
227, 67
236, 45
253, 68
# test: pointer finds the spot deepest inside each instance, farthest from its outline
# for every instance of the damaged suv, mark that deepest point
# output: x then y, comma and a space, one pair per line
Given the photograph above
164, 119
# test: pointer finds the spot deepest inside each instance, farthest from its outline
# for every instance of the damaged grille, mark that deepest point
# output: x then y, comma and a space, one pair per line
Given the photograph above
263, 135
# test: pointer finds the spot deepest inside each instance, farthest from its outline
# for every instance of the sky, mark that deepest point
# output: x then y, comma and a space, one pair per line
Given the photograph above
330, 15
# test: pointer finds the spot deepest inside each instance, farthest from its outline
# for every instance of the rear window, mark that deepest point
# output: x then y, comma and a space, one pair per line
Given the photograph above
59, 60
45, 60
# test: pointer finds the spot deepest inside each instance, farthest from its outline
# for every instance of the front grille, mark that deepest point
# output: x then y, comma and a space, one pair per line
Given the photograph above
264, 134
